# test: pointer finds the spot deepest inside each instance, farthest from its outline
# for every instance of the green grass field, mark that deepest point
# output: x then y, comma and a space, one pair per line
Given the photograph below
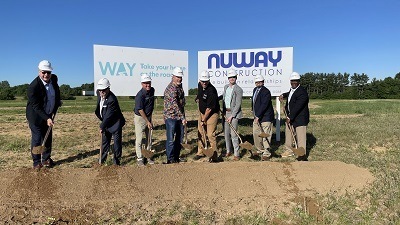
361, 132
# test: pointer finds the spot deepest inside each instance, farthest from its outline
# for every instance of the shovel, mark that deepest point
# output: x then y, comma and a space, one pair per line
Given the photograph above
186, 145
147, 152
40, 149
246, 145
101, 147
209, 152
262, 134
298, 151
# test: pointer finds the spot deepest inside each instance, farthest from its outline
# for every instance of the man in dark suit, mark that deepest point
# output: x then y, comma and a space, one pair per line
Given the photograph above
112, 120
298, 115
263, 117
43, 102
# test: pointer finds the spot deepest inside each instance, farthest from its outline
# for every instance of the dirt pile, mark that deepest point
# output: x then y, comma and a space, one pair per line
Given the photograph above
89, 195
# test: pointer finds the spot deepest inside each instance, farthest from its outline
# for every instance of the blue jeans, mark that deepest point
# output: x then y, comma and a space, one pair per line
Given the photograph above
174, 139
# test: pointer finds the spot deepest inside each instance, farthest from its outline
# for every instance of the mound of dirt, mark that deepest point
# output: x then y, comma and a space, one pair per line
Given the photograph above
83, 195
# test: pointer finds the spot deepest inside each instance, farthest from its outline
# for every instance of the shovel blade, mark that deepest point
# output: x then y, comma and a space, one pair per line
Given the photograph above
187, 146
147, 153
38, 149
299, 151
263, 135
246, 145
209, 152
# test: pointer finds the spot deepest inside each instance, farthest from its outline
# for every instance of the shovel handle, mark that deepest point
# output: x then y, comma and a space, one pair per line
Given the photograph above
241, 141
185, 133
204, 137
150, 134
101, 147
290, 126
48, 131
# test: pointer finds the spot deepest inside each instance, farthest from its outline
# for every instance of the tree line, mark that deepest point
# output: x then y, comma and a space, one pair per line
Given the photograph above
67, 93
318, 85
346, 86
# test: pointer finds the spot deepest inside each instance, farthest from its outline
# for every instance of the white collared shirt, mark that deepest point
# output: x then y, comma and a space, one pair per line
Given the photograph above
292, 90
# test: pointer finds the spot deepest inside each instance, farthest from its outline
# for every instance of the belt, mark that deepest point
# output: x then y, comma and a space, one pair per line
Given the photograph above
228, 110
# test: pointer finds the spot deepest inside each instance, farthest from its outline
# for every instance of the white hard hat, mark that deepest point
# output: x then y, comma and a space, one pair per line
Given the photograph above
204, 76
45, 65
178, 72
258, 78
232, 73
295, 76
145, 78
103, 83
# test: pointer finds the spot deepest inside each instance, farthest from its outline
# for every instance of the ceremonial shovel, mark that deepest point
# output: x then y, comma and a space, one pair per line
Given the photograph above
209, 152
262, 134
246, 145
40, 149
298, 151
186, 145
147, 152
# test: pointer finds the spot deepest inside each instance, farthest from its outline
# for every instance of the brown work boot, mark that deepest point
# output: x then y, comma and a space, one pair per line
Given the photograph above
236, 158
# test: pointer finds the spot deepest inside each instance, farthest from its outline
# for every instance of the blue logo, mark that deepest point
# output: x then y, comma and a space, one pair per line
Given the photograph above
256, 59
117, 68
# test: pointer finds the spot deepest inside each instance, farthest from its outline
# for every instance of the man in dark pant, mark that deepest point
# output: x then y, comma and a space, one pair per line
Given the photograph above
112, 120
43, 102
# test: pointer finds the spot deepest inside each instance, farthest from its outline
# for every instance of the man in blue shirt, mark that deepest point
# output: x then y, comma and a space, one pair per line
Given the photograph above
144, 106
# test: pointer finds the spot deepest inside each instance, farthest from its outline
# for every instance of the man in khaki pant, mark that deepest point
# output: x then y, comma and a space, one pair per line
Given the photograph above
298, 116
144, 106
263, 116
207, 98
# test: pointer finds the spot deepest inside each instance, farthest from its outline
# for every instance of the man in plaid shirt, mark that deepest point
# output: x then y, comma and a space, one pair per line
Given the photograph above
174, 116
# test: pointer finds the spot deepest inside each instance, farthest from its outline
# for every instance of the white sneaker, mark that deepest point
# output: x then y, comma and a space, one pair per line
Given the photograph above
140, 163
150, 161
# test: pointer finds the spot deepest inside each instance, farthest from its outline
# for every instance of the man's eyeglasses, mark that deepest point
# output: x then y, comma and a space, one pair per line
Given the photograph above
204, 81
46, 72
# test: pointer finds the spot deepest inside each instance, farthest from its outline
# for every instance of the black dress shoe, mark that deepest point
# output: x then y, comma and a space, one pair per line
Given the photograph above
38, 166
179, 160
197, 157
169, 162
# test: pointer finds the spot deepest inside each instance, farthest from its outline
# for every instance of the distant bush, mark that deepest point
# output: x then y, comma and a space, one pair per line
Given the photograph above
6, 94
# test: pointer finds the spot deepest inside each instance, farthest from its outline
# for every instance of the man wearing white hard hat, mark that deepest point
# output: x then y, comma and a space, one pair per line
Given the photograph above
144, 106
174, 116
263, 117
298, 116
207, 97
112, 121
43, 102
232, 109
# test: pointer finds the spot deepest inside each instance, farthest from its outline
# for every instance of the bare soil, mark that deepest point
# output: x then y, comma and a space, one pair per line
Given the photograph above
78, 191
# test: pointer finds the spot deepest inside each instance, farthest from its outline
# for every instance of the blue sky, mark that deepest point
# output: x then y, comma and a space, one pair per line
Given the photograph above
327, 36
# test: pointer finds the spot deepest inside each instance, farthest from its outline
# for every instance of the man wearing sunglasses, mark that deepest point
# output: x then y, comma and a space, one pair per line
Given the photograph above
43, 102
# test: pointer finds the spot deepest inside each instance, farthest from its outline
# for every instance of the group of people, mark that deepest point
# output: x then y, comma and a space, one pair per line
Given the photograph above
44, 101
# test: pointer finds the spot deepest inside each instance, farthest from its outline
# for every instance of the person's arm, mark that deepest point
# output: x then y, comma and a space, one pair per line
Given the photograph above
143, 115
238, 101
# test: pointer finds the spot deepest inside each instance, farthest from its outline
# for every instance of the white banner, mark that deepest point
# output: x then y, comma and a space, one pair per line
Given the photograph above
124, 65
274, 64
